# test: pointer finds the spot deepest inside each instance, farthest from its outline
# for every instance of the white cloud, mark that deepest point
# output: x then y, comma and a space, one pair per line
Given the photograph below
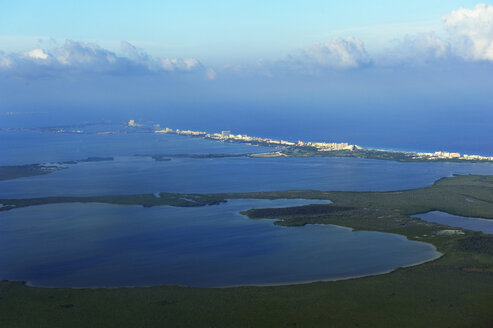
5, 62
418, 50
337, 53
470, 38
179, 64
37, 53
471, 31
81, 57
85, 56
428, 46
317, 58
132, 52
156, 64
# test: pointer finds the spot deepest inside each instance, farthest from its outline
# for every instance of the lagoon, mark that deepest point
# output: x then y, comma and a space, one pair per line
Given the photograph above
475, 224
128, 174
95, 245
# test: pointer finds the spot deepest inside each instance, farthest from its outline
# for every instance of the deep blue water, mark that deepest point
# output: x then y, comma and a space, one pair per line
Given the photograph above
109, 245
99, 245
475, 224
441, 120
130, 174
27, 147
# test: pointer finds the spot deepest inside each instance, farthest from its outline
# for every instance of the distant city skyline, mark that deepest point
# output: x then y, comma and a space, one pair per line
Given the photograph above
349, 70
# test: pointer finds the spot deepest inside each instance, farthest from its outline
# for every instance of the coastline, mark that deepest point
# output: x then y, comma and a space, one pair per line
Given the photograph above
437, 256
284, 148
333, 149
281, 284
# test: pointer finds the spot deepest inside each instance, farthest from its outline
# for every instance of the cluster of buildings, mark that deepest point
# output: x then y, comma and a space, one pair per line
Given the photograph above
132, 123
228, 136
447, 155
329, 146
438, 154
225, 136
319, 146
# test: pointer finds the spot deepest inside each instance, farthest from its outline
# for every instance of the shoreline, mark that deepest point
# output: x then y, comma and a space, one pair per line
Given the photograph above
287, 148
260, 285
435, 257
316, 149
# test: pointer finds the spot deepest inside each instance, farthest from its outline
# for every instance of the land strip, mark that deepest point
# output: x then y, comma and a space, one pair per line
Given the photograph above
464, 195
9, 172
322, 149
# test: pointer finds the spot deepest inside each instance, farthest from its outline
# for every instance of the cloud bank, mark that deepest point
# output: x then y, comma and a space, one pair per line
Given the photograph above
470, 38
337, 53
89, 58
471, 32
467, 37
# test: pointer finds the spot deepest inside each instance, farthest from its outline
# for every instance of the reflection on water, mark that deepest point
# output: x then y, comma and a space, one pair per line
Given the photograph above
111, 245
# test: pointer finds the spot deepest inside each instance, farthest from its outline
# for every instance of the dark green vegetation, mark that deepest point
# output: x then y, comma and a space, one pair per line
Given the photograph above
167, 157
480, 244
453, 291
21, 171
146, 200
464, 195
302, 151
95, 159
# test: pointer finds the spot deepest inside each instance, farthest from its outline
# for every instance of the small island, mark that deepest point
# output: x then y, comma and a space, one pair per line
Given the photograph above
19, 171
9, 172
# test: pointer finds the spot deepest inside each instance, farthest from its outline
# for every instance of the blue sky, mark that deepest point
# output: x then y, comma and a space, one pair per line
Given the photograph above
348, 69
219, 31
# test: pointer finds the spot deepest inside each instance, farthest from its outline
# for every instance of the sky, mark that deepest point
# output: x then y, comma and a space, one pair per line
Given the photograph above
217, 31
253, 63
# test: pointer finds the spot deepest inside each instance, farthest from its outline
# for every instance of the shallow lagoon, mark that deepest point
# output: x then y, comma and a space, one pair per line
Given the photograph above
475, 224
128, 174
82, 245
